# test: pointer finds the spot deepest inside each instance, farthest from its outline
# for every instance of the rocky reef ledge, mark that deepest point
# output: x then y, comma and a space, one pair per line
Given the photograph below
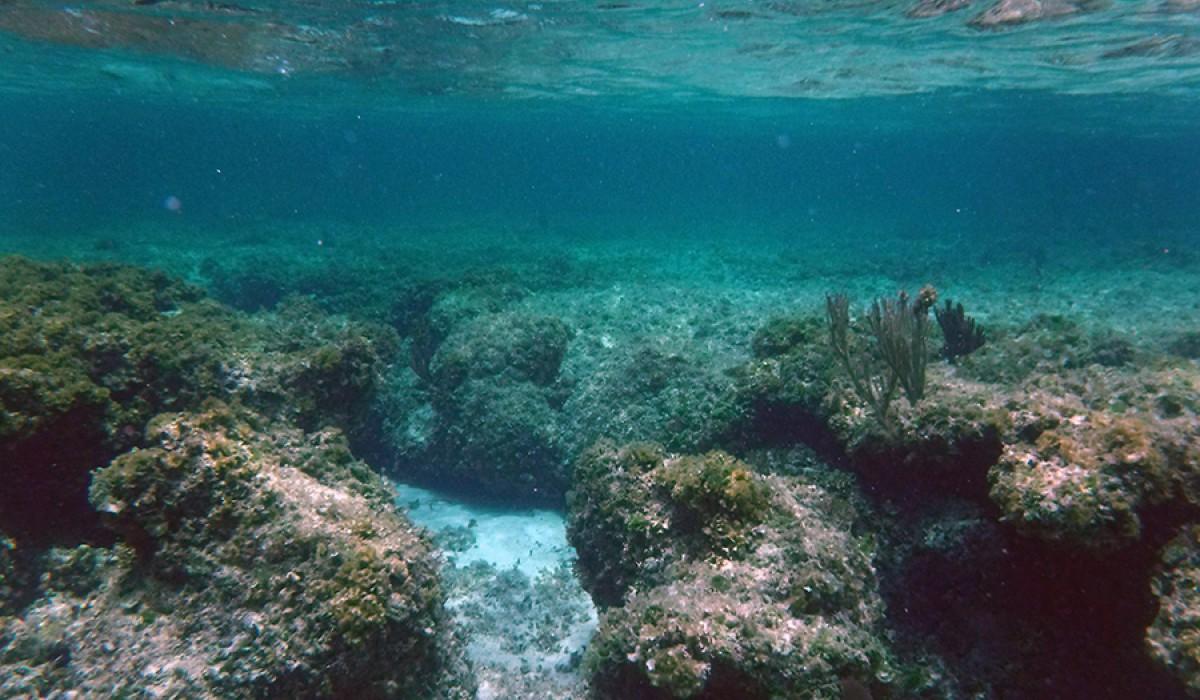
181, 513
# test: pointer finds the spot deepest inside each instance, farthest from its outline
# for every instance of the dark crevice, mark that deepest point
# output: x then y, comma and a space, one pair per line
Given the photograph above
1030, 620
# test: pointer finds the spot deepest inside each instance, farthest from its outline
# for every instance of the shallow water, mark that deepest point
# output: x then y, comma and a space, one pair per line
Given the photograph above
531, 541
564, 222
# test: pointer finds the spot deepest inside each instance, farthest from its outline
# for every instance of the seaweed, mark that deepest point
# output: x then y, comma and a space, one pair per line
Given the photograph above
896, 359
961, 335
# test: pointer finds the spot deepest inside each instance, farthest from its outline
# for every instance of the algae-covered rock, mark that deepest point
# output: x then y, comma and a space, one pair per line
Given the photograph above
795, 391
88, 354
500, 438
1173, 639
490, 422
251, 559
521, 347
1076, 456
719, 582
783, 334
512, 391
1091, 452
315, 370
1050, 422
1047, 344
255, 560
451, 308
661, 395
783, 397
943, 445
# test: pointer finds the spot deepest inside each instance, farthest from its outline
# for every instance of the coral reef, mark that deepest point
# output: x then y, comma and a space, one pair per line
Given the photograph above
89, 354
716, 580
500, 396
487, 382
666, 397
1070, 458
961, 336
944, 443
896, 356
254, 559
1039, 422
311, 369
1000, 534
230, 546
86, 357
1092, 453
1173, 639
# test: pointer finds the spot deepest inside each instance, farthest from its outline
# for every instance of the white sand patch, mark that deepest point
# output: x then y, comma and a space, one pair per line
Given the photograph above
532, 540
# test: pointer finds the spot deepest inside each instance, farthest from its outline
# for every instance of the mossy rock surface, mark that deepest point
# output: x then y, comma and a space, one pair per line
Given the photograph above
229, 547
716, 581
1089, 454
255, 560
660, 395
88, 354
1173, 639
480, 410
522, 347
1056, 425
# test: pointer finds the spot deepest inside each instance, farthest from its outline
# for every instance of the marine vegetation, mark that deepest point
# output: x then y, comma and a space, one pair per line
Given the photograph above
716, 581
1045, 463
182, 509
896, 355
961, 336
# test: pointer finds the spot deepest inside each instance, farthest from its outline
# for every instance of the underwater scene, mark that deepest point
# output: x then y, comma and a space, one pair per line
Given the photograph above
714, 350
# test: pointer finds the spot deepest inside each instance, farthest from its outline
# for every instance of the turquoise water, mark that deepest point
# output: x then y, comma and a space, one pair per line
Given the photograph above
561, 223
955, 163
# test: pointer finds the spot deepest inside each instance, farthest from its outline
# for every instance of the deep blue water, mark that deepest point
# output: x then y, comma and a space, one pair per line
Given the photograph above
906, 166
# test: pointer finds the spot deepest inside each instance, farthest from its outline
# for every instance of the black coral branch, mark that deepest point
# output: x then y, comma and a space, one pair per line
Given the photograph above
962, 336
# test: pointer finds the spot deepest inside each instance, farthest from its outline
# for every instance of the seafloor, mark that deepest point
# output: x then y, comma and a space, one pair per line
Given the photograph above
744, 525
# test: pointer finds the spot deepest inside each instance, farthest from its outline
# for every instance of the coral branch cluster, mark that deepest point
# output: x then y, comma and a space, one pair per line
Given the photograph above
896, 355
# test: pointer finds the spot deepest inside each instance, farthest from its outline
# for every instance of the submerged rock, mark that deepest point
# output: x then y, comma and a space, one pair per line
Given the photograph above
717, 582
1092, 453
218, 551
667, 397
479, 410
88, 354
254, 560
1058, 428
944, 444
1173, 639
1075, 461
515, 346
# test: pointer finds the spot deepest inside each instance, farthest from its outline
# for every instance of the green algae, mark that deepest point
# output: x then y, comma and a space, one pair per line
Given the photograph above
135, 409
716, 579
